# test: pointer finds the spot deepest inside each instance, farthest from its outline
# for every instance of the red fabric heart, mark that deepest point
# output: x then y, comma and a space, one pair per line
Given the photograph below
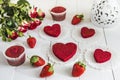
101, 56
64, 51
86, 32
53, 30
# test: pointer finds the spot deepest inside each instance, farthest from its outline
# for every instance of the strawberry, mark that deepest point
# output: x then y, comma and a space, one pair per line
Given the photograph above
24, 26
78, 69
13, 35
31, 41
34, 13
37, 61
33, 25
77, 19
47, 70
38, 22
22, 29
41, 14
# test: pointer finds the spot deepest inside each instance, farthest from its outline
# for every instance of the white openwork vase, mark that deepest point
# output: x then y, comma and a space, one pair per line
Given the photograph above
105, 13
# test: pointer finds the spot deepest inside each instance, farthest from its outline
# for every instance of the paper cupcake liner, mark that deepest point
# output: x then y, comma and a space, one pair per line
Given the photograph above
89, 58
54, 59
76, 35
50, 38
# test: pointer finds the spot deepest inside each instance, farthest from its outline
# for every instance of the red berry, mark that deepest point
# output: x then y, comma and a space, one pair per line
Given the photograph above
78, 69
22, 29
38, 22
34, 13
31, 41
42, 14
37, 61
77, 19
33, 25
47, 71
13, 36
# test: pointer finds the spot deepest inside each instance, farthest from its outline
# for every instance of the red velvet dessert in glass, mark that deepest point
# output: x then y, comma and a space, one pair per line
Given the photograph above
58, 13
15, 55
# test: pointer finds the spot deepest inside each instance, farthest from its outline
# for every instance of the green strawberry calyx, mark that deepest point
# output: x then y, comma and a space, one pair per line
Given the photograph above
81, 64
31, 36
80, 16
51, 68
34, 59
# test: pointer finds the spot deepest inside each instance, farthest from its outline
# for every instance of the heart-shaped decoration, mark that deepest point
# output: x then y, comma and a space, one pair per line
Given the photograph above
86, 32
53, 30
64, 51
101, 56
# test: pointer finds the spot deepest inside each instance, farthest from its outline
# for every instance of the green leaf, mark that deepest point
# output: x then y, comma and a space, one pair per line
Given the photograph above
12, 4
0, 32
9, 22
10, 11
1, 20
9, 32
4, 38
1, 10
23, 2
6, 1
9, 39
11, 16
20, 34
1, 1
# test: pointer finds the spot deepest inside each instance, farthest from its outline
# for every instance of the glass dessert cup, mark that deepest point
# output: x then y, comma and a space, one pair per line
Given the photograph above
15, 55
58, 13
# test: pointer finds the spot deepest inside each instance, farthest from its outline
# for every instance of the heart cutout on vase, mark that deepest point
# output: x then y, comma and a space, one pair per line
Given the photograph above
101, 56
64, 51
53, 30
87, 32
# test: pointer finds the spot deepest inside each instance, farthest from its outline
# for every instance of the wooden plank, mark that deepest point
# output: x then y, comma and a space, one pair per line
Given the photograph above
113, 38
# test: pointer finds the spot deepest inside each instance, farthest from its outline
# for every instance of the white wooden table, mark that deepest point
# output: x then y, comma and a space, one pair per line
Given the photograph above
109, 37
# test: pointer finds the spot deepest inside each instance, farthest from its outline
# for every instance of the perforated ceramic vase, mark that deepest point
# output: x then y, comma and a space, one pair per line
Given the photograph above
105, 13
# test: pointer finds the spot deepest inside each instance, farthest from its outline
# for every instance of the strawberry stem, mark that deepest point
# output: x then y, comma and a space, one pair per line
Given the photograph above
80, 16
51, 67
81, 64
30, 36
28, 57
